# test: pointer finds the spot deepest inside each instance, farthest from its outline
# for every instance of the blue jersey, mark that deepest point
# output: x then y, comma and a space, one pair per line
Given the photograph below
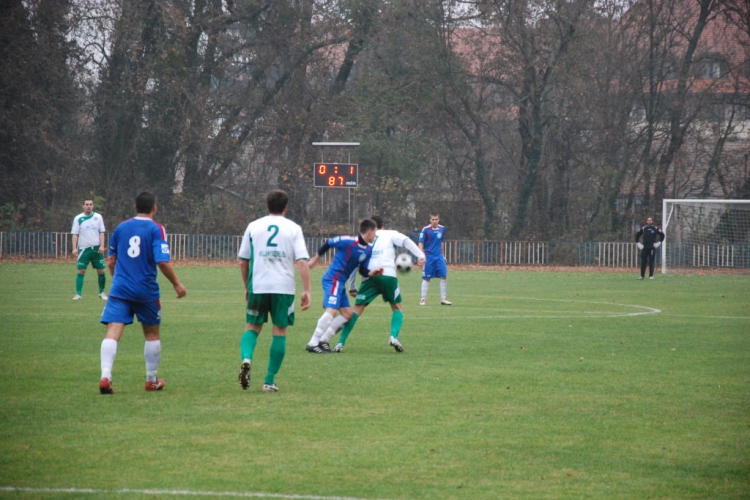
349, 256
432, 239
139, 245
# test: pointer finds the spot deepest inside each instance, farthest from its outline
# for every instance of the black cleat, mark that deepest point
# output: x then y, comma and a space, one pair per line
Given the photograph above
316, 349
244, 377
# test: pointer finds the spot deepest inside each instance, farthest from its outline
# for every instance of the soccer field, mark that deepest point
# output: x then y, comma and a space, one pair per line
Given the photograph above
533, 385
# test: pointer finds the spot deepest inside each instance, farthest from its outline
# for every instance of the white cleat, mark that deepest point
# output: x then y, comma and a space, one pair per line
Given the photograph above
393, 342
270, 388
103, 296
422, 302
77, 297
446, 302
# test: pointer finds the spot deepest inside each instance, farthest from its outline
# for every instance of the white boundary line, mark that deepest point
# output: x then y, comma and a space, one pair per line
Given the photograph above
233, 494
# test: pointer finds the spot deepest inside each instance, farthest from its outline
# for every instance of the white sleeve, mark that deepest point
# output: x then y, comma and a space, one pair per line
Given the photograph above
300, 248
351, 282
245, 246
101, 224
414, 249
76, 227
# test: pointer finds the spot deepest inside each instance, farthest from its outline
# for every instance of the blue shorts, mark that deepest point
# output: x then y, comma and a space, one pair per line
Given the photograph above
120, 310
435, 268
334, 294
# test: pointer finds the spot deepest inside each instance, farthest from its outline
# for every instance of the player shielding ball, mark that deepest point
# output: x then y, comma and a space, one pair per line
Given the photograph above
352, 252
270, 249
136, 249
383, 256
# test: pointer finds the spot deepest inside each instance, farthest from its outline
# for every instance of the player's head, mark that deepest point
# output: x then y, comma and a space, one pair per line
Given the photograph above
649, 221
378, 221
88, 206
434, 219
145, 203
367, 230
277, 201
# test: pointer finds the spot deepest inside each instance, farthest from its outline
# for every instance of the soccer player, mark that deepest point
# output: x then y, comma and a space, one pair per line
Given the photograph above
352, 252
650, 235
89, 245
432, 242
136, 249
383, 256
270, 249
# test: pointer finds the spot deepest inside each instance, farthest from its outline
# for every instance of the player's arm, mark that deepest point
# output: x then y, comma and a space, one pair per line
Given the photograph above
168, 271
638, 235
102, 243
415, 251
75, 244
321, 250
111, 264
351, 284
304, 273
245, 273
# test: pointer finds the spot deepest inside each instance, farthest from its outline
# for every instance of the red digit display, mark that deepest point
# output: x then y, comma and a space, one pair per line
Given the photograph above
339, 175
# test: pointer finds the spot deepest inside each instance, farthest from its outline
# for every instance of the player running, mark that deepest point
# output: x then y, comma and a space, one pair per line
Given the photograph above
383, 256
352, 252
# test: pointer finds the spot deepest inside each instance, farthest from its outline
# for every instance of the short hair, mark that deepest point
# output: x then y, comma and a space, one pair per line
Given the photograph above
88, 199
144, 202
378, 221
367, 225
434, 214
276, 201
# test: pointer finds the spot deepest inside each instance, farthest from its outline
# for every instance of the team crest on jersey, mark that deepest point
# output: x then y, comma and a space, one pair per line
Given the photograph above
332, 299
362, 257
165, 248
440, 236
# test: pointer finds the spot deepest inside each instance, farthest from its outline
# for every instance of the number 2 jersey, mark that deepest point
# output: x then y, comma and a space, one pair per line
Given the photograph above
139, 245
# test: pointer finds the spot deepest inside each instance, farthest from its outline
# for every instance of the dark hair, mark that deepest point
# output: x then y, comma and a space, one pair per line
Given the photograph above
145, 202
276, 201
434, 214
378, 221
367, 225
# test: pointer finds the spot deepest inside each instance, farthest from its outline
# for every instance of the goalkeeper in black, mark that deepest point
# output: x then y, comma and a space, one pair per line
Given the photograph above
652, 238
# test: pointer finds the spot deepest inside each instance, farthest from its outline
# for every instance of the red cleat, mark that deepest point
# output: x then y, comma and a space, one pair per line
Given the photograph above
155, 386
105, 386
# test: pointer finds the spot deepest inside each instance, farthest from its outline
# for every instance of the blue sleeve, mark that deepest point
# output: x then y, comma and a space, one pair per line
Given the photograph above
160, 247
324, 247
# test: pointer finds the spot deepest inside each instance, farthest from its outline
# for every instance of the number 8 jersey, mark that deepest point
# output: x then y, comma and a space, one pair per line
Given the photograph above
139, 244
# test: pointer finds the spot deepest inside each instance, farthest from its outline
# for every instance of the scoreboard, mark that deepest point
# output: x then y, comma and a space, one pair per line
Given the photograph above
339, 175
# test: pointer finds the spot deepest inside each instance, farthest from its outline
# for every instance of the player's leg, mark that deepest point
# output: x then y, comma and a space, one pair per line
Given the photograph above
282, 319
331, 306
644, 257
100, 265
357, 311
427, 275
149, 314
117, 313
256, 315
651, 259
397, 321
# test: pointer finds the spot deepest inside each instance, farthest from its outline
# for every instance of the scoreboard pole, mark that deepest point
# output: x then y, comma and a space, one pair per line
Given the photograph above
322, 160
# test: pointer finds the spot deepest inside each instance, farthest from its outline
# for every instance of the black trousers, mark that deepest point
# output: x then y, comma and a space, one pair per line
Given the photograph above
647, 256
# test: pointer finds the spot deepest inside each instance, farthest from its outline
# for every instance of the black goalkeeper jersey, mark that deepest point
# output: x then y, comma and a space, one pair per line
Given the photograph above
650, 235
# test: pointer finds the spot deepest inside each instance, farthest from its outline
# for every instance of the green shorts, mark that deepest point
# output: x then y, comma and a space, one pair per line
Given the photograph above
279, 305
387, 286
92, 255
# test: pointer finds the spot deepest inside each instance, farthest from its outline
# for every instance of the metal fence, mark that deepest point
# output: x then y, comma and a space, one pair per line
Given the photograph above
216, 248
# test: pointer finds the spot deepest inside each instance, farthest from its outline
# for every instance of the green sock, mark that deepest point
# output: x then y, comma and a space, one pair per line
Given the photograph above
348, 328
79, 283
278, 350
396, 321
247, 344
102, 282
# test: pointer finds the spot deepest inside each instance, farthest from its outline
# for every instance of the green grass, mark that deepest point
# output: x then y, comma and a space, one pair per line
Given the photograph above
533, 385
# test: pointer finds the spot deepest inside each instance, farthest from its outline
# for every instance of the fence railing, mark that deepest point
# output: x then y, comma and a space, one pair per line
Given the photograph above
212, 247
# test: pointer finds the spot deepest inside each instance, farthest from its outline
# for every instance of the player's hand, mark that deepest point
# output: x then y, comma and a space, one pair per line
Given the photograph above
181, 292
101, 250
657, 245
313, 261
305, 300
421, 262
353, 292
639, 245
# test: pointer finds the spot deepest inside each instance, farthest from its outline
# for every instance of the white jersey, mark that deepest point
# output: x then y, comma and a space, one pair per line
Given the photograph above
273, 244
88, 228
384, 250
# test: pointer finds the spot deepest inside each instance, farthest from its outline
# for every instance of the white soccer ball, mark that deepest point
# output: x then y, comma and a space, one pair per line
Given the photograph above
403, 263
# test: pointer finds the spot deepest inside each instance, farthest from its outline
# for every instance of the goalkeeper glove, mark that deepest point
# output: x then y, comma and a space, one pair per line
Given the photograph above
639, 245
657, 244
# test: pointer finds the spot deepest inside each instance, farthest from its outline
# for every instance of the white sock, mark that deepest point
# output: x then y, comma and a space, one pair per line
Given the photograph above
323, 323
425, 286
443, 289
152, 353
336, 325
108, 353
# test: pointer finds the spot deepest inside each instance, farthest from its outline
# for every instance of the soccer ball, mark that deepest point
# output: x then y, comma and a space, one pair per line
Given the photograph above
403, 263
